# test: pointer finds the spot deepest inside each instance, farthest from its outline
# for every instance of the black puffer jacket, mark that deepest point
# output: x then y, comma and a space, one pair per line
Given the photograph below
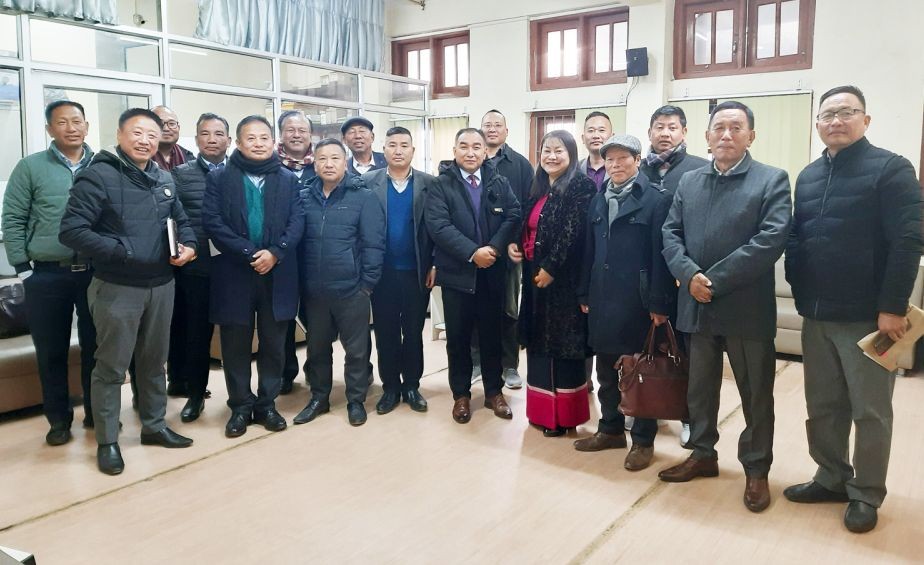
856, 236
117, 216
190, 186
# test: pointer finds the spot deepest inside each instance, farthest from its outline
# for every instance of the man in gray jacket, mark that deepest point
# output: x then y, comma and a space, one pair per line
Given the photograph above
727, 227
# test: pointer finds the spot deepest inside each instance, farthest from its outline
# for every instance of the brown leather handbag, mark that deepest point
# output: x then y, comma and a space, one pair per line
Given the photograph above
653, 383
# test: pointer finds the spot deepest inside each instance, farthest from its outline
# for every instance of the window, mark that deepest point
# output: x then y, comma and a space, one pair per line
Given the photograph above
541, 123
440, 60
579, 50
718, 37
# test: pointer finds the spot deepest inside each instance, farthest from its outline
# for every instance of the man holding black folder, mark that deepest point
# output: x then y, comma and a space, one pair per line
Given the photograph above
117, 215
852, 259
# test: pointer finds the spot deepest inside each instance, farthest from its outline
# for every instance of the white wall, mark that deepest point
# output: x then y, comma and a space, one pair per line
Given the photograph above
876, 48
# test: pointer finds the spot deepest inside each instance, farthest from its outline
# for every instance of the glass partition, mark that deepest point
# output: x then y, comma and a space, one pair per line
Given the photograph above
64, 44
415, 124
102, 110
318, 82
386, 92
325, 120
9, 36
188, 62
10, 128
190, 104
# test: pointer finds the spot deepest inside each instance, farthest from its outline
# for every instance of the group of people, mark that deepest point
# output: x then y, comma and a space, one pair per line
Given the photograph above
573, 260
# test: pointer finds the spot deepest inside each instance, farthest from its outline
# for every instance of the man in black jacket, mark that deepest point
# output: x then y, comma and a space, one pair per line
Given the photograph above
472, 214
118, 214
519, 173
191, 330
341, 262
851, 259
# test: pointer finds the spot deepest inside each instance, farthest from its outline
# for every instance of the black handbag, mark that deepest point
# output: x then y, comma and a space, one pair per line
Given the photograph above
653, 383
13, 320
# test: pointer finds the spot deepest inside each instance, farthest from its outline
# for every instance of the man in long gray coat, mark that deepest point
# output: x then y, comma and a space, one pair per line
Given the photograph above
727, 227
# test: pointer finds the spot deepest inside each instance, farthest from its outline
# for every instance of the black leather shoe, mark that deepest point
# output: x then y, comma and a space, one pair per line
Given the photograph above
177, 389
237, 425
860, 517
812, 492
166, 438
388, 402
192, 410
413, 399
356, 413
553, 432
315, 408
286, 387
109, 459
272, 421
59, 434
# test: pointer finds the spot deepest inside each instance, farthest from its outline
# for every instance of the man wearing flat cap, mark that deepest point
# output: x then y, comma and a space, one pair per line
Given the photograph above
358, 137
624, 285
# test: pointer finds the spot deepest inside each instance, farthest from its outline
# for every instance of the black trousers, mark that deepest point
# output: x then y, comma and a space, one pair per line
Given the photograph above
399, 308
290, 366
464, 313
612, 420
327, 317
236, 342
190, 334
52, 294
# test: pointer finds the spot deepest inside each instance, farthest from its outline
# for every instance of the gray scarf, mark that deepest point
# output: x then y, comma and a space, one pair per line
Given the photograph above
616, 194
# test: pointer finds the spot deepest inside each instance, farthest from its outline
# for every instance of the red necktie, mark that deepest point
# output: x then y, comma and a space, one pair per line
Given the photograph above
473, 180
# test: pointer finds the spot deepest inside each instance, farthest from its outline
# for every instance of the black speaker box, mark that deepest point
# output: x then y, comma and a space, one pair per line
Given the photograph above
637, 62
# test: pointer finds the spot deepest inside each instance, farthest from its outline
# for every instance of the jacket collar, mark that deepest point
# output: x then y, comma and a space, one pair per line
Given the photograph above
741, 168
849, 152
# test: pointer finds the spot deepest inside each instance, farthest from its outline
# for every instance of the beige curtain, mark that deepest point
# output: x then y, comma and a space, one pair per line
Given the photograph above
442, 138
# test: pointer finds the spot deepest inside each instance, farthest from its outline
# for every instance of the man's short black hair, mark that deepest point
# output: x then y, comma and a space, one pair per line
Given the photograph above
50, 109
733, 105
210, 116
846, 89
329, 141
289, 113
135, 112
398, 130
251, 119
494, 111
464, 131
597, 114
669, 110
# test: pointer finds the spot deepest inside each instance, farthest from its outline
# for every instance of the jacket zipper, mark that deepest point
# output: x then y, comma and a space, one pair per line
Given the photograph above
821, 215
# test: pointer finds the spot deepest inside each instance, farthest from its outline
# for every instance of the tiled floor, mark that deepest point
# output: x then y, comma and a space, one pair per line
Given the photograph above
419, 488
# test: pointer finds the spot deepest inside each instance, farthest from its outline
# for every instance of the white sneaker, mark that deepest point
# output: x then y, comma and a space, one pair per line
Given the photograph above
630, 421
476, 373
684, 434
512, 379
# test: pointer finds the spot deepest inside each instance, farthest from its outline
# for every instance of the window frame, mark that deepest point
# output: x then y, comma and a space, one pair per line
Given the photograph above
744, 39
436, 44
586, 25
538, 118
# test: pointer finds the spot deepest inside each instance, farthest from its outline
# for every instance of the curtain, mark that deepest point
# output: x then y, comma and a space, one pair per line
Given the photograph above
96, 11
443, 138
342, 32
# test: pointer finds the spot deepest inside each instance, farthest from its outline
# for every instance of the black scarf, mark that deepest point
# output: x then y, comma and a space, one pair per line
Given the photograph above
233, 181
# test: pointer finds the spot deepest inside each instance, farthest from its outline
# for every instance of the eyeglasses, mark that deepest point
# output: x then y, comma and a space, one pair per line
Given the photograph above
843, 115
171, 124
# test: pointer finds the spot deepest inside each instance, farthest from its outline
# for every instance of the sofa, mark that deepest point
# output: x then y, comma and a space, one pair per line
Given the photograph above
789, 322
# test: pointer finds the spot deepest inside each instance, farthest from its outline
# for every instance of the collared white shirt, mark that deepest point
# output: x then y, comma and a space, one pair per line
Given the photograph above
257, 180
400, 184
363, 168
465, 175
731, 170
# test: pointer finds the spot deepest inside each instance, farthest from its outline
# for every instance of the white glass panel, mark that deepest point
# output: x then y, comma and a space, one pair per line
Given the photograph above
450, 71
425, 65
386, 92
462, 59
702, 42
570, 54
189, 105
87, 47
553, 40
602, 63
789, 27
8, 45
724, 32
10, 128
766, 31
315, 81
620, 44
102, 111
220, 67
325, 120
413, 64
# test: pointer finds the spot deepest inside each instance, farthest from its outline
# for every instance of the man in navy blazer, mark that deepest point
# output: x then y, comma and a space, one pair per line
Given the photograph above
358, 136
252, 214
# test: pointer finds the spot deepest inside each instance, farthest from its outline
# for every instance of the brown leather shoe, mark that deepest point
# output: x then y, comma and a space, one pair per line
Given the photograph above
638, 458
499, 404
690, 469
756, 494
462, 410
600, 441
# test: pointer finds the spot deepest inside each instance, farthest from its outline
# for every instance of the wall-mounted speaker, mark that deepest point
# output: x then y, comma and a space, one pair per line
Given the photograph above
637, 62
